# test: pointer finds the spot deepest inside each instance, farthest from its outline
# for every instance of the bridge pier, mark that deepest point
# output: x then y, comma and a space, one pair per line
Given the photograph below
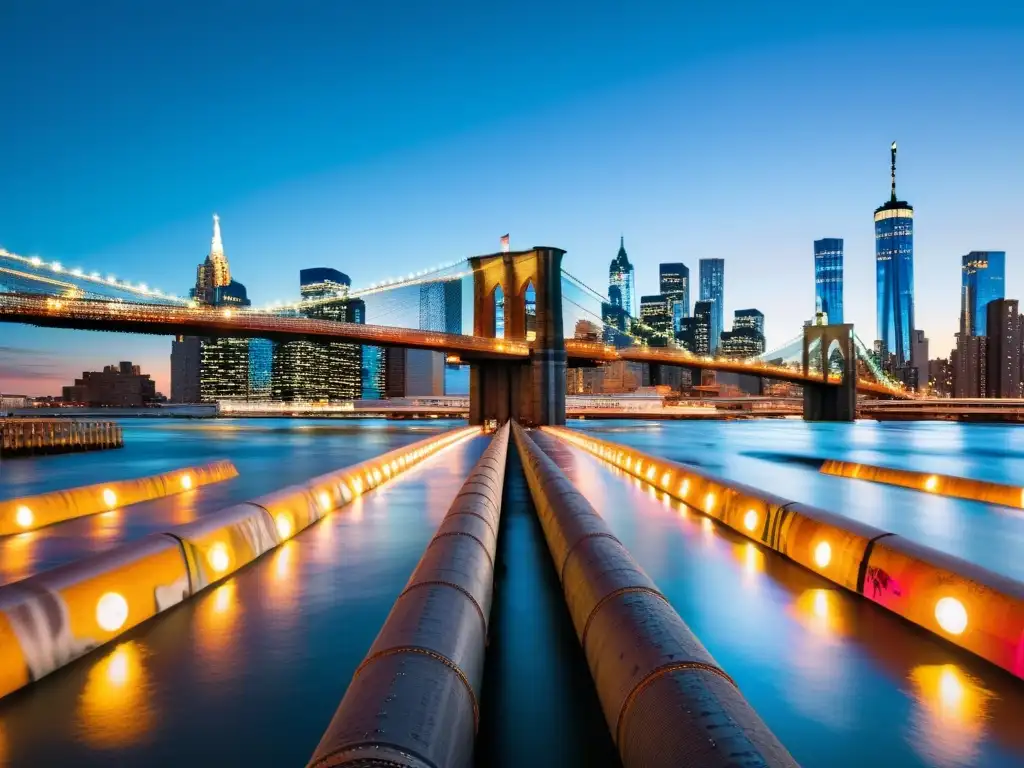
532, 393
825, 401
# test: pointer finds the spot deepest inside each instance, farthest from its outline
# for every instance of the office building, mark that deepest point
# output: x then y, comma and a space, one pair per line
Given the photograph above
616, 321
320, 371
674, 285
940, 377
746, 339
1003, 350
970, 366
983, 279
695, 335
656, 315
620, 276
116, 386
441, 310
828, 278
712, 290
211, 369
894, 276
918, 361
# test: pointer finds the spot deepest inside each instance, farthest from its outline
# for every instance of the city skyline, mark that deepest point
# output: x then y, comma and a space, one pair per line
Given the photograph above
680, 189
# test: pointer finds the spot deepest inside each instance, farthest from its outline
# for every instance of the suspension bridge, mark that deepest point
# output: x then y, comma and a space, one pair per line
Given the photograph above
515, 322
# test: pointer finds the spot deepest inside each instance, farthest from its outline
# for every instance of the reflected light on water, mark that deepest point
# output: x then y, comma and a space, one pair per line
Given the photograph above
951, 713
216, 618
114, 710
821, 611
17, 555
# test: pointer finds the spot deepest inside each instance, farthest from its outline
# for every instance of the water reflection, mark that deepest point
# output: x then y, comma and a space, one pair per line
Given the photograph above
19, 552
216, 623
115, 708
951, 713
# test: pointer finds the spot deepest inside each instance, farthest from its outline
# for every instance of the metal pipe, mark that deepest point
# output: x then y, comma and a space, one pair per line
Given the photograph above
414, 700
665, 699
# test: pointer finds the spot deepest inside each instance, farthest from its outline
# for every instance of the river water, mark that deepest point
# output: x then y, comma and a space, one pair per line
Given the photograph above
250, 672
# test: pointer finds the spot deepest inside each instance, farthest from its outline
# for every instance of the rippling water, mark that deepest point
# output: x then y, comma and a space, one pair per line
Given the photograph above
773, 455
250, 672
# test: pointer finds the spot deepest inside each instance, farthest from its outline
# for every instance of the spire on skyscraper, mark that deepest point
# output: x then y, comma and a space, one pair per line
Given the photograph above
893, 150
216, 246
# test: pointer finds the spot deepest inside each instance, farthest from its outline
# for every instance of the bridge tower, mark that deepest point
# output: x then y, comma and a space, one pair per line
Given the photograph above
533, 393
824, 401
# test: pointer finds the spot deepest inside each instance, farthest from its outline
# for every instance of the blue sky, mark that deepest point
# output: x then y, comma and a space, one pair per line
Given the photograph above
382, 138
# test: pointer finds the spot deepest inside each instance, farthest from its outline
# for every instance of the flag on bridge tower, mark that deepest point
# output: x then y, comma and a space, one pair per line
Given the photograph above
504, 243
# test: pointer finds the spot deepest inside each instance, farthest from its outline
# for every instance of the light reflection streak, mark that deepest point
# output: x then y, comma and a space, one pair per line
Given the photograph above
216, 618
951, 715
115, 709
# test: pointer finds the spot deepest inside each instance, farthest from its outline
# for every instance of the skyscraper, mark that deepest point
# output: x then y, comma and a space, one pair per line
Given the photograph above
218, 368
828, 278
656, 315
746, 339
712, 289
620, 275
894, 275
983, 278
315, 371
1003, 351
674, 285
696, 331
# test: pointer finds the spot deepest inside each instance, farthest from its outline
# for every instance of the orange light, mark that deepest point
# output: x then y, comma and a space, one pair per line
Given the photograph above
186, 481
709, 502
951, 615
283, 523
111, 612
23, 517
109, 497
750, 520
684, 487
931, 483
823, 554
218, 558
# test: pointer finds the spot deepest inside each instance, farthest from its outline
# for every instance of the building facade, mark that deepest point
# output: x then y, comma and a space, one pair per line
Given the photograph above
828, 278
970, 369
656, 314
320, 371
117, 386
746, 339
894, 275
982, 280
1003, 350
696, 333
712, 291
620, 276
674, 285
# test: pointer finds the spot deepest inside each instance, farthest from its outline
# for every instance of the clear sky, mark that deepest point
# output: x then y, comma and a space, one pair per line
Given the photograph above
381, 138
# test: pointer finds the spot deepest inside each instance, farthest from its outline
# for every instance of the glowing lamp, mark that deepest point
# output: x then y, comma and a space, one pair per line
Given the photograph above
111, 611
650, 473
186, 482
218, 558
325, 501
666, 479
684, 487
23, 517
750, 520
823, 554
931, 483
109, 497
709, 502
951, 615
283, 523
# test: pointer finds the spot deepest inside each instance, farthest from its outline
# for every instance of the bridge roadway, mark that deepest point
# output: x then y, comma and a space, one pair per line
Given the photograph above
250, 672
166, 320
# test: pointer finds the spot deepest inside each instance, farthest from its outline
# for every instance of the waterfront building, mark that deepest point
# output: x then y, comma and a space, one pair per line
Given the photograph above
918, 377
212, 369
894, 275
320, 371
982, 280
674, 285
117, 386
969, 364
940, 377
1003, 350
695, 335
712, 290
620, 276
657, 316
746, 339
441, 310
828, 278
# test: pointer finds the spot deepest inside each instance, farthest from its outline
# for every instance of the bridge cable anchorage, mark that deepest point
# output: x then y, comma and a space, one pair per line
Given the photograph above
665, 699
414, 700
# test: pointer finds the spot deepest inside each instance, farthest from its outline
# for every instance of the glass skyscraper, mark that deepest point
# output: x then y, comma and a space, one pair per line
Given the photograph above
894, 275
712, 289
674, 285
982, 280
620, 275
828, 278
